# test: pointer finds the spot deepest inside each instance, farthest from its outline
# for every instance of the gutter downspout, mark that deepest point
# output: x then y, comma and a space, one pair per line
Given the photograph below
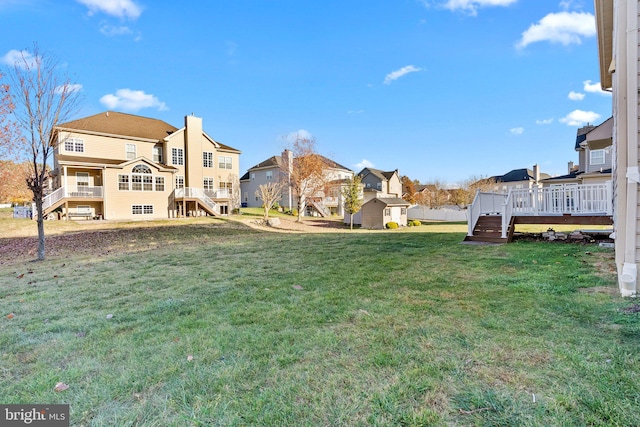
629, 273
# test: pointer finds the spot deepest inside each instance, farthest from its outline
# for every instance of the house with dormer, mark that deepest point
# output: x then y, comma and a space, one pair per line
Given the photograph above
122, 166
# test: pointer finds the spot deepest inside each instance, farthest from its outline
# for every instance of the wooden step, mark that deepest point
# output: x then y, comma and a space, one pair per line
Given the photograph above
489, 229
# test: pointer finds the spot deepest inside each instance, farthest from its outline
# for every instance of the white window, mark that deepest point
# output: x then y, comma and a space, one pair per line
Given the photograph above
142, 209
177, 156
141, 178
596, 157
82, 179
136, 182
157, 153
208, 183
368, 185
387, 212
74, 145
123, 182
269, 175
159, 183
379, 185
403, 211
179, 181
224, 162
130, 151
147, 182
253, 176
207, 159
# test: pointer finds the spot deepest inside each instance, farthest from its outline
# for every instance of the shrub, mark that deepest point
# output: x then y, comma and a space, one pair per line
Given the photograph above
391, 225
416, 223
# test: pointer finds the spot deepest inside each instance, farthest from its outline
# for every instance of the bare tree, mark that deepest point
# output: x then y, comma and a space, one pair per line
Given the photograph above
234, 191
436, 195
352, 194
269, 193
468, 188
303, 171
43, 98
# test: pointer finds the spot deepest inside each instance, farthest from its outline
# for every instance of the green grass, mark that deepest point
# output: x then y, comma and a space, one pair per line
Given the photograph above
396, 328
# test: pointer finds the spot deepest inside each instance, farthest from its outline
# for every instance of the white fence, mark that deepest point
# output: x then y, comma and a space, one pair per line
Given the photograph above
428, 214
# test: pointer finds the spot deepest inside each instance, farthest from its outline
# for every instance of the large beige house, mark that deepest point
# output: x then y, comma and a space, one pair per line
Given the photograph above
122, 166
617, 23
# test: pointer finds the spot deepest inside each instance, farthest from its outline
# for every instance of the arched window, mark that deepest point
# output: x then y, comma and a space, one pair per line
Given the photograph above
141, 179
141, 169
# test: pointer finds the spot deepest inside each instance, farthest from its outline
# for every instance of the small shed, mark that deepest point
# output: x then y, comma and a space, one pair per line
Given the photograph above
376, 213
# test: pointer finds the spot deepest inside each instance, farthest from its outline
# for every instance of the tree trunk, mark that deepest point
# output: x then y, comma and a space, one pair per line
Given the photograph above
351, 220
40, 221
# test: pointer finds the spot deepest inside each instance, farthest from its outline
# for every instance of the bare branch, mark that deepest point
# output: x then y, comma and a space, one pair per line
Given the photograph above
43, 98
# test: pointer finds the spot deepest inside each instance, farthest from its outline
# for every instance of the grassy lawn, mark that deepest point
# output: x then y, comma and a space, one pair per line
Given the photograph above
211, 322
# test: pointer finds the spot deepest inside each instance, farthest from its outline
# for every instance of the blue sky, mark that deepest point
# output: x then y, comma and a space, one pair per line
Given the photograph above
439, 89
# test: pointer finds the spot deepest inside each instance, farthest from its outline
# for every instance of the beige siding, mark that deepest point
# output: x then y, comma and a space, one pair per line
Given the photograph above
104, 147
118, 203
372, 215
637, 161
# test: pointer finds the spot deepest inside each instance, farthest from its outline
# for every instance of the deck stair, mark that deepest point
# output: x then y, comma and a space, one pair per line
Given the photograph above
489, 229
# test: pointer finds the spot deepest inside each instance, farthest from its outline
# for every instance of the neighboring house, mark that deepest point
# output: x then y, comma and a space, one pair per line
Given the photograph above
617, 24
121, 166
595, 155
376, 182
382, 202
434, 196
517, 179
324, 203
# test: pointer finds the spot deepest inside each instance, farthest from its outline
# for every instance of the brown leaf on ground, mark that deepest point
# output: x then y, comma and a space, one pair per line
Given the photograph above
20, 276
10, 316
61, 386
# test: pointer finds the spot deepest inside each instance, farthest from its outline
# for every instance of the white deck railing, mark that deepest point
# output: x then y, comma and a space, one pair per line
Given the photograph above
484, 204
584, 199
76, 192
197, 193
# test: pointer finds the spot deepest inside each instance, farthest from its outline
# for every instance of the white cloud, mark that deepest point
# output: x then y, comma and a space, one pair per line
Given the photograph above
132, 100
580, 118
118, 8
19, 58
516, 131
395, 75
544, 122
69, 88
471, 6
363, 164
595, 88
563, 27
298, 135
576, 96
110, 30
